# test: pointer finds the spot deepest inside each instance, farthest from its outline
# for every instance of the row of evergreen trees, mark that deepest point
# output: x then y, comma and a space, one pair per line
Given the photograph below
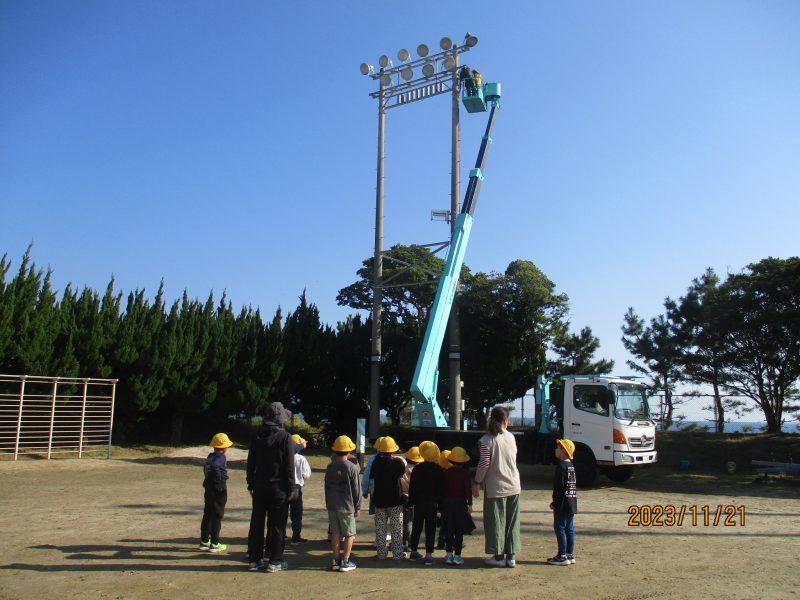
202, 362
171, 362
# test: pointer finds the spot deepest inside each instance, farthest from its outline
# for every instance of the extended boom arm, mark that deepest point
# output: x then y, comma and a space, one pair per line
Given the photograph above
423, 386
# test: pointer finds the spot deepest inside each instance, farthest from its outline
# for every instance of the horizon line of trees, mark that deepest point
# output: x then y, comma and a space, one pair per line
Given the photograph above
203, 362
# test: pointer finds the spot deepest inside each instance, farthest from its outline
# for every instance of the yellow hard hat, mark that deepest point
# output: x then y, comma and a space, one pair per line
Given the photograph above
343, 444
297, 439
386, 444
413, 455
221, 441
429, 451
443, 462
568, 446
458, 455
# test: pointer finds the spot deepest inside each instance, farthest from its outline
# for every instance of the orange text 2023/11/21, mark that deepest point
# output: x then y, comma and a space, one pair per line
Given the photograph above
668, 515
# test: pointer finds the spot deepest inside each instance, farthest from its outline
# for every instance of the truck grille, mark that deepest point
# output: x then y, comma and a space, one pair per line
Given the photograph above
641, 442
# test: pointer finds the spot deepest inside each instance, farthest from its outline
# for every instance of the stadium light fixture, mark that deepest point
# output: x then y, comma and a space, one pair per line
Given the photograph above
397, 87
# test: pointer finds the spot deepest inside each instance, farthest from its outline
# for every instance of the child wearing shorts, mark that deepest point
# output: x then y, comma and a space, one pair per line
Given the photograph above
343, 501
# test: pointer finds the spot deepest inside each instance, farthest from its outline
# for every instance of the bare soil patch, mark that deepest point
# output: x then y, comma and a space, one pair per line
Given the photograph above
127, 528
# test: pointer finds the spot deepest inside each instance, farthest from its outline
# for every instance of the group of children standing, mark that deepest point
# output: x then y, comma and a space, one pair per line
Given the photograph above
408, 493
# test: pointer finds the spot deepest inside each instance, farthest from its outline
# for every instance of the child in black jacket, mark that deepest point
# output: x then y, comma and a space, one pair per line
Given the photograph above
564, 504
425, 493
215, 482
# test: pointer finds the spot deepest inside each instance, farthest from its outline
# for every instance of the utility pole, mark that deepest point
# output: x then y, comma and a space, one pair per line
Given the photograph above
397, 87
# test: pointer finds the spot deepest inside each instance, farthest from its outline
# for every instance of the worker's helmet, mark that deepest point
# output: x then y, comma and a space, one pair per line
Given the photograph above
443, 462
429, 451
221, 440
297, 439
413, 455
458, 455
343, 444
386, 444
568, 446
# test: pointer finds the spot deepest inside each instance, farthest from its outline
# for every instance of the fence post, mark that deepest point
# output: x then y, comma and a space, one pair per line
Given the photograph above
52, 419
111, 416
83, 418
19, 415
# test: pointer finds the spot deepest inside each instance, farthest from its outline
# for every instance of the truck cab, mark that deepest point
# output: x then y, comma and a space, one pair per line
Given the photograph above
608, 419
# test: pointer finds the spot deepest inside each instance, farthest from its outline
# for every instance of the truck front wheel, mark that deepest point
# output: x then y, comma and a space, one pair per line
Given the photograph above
585, 467
619, 474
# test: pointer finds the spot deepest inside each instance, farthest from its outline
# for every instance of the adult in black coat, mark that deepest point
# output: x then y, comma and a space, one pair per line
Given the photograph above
270, 481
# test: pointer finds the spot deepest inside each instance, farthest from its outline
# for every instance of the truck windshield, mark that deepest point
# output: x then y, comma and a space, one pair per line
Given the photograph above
631, 402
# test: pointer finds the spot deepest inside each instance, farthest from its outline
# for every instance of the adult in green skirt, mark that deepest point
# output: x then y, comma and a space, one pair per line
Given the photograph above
497, 472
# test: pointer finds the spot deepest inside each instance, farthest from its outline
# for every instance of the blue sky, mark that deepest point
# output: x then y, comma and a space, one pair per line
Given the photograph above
231, 145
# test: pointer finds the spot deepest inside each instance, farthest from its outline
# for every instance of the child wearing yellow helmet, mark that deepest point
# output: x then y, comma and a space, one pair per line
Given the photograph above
388, 497
302, 473
413, 458
215, 497
446, 465
343, 501
366, 481
425, 492
564, 504
457, 506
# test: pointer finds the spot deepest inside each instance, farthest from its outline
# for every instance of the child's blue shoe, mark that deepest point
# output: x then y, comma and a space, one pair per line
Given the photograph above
347, 565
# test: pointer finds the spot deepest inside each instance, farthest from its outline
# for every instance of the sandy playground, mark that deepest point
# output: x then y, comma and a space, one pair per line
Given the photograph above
127, 528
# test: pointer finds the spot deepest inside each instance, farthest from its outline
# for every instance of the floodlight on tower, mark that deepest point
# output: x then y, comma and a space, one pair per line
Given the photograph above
470, 40
422, 50
449, 64
386, 81
407, 73
366, 69
385, 61
445, 43
403, 55
428, 70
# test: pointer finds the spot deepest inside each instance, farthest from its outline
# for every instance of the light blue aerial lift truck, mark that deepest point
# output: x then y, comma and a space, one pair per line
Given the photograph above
606, 417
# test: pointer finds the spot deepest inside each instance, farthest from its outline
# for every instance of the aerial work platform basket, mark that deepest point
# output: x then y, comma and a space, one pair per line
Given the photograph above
477, 102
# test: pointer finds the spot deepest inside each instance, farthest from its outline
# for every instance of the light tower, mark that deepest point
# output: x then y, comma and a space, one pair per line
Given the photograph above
398, 86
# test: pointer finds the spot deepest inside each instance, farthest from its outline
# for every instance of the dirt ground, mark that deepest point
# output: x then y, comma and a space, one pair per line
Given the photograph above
127, 528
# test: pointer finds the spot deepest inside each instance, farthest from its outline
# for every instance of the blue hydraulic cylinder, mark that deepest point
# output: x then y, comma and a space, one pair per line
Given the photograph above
426, 376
